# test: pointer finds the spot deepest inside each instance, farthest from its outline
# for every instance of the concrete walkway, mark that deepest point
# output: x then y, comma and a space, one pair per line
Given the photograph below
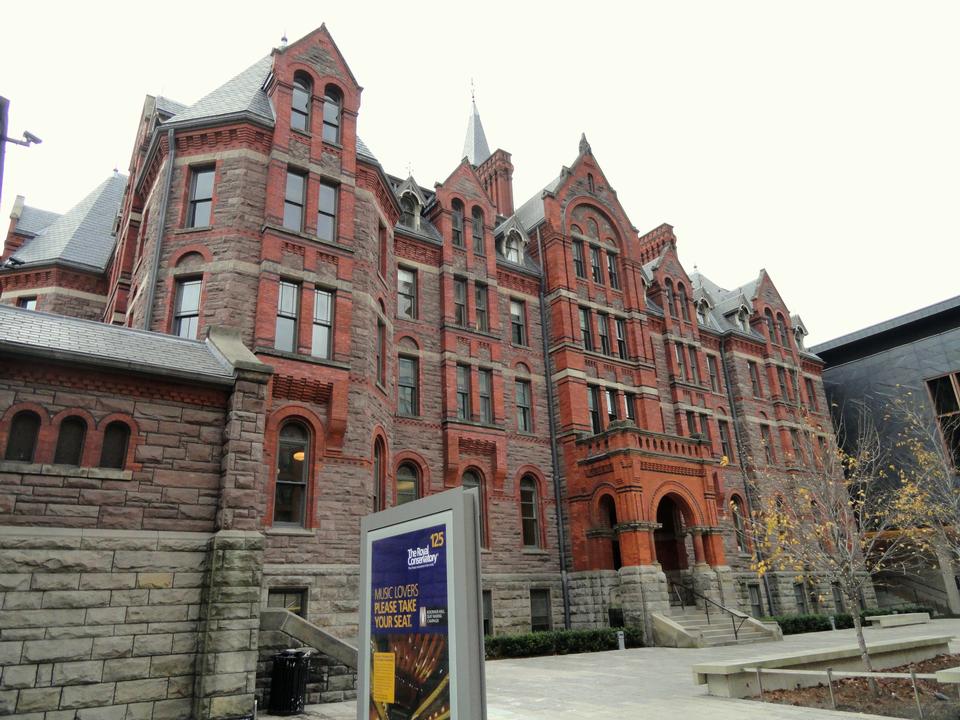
643, 683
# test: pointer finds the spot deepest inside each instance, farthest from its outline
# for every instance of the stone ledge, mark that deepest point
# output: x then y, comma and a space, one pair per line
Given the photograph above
49, 469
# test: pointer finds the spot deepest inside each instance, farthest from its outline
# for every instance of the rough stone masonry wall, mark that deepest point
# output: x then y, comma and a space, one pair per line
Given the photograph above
110, 624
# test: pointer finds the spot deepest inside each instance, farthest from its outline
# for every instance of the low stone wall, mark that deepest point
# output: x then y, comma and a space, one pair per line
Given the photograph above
119, 624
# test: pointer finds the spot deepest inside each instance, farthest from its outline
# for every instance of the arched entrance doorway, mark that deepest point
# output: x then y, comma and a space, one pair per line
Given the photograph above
670, 542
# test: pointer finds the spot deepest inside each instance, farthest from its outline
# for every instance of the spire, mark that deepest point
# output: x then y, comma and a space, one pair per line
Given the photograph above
584, 145
475, 147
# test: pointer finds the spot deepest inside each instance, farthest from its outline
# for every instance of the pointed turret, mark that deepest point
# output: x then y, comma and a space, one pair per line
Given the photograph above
475, 147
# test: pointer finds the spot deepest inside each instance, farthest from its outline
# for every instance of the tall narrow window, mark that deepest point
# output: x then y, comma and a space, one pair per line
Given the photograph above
287, 306
407, 293
514, 250
472, 480
771, 330
524, 414
797, 447
382, 250
684, 304
593, 404
714, 373
540, 616
485, 393
668, 297
578, 266
604, 332
705, 427
464, 410
294, 199
754, 378
767, 441
477, 227
381, 352
612, 270
73, 430
332, 101
736, 510
379, 470
595, 267
631, 403
327, 212
186, 311
460, 302
518, 322
322, 340
201, 197
530, 512
408, 483
116, 439
290, 495
22, 440
408, 386
782, 329
811, 394
681, 361
457, 221
782, 380
487, 612
694, 365
621, 327
692, 423
611, 397
586, 328
300, 102
725, 445
480, 306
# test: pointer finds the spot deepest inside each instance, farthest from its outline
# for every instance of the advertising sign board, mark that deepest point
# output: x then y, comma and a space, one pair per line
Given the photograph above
421, 651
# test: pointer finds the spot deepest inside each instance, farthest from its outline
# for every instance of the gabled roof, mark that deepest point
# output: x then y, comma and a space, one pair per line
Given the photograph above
241, 95
83, 236
531, 213
168, 106
34, 220
88, 342
475, 148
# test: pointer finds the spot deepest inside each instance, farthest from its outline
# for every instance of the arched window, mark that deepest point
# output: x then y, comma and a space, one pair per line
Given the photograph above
300, 102
682, 299
592, 229
530, 512
22, 441
410, 210
379, 467
73, 430
457, 219
782, 328
669, 300
590, 184
472, 479
408, 483
736, 509
702, 312
332, 99
477, 225
290, 496
771, 330
576, 229
743, 320
113, 452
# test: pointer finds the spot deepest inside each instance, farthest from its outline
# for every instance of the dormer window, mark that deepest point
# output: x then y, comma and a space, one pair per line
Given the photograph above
410, 210
332, 100
798, 333
300, 102
702, 312
513, 248
742, 320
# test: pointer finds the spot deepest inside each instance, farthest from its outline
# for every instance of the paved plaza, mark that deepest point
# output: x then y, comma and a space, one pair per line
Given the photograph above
643, 683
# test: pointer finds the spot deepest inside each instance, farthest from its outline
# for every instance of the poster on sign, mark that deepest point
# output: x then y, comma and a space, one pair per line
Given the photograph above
420, 631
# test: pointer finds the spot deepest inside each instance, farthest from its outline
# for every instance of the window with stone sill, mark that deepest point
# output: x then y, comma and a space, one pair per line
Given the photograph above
596, 269
586, 328
22, 440
294, 200
604, 333
300, 102
524, 406
540, 613
485, 393
518, 322
714, 372
292, 600
200, 208
457, 223
407, 293
464, 403
529, 512
612, 270
578, 265
408, 483
480, 307
460, 302
408, 386
332, 102
288, 312
477, 227
293, 451
472, 479
70, 439
186, 312
116, 440
322, 340
621, 328
327, 212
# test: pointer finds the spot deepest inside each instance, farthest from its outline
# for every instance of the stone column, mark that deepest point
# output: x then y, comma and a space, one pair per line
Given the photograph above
698, 555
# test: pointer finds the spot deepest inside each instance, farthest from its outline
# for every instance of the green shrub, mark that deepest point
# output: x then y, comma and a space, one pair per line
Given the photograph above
796, 624
559, 642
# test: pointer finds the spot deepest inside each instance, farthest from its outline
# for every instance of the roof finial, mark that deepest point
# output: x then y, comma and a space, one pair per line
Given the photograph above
409, 169
283, 40
584, 145
473, 92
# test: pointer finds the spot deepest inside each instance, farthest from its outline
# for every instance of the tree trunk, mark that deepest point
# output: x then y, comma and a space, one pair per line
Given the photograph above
864, 654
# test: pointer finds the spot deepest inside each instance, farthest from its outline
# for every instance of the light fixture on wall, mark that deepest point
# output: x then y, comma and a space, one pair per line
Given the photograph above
298, 456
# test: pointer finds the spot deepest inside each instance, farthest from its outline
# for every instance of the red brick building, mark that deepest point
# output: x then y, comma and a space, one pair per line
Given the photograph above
390, 341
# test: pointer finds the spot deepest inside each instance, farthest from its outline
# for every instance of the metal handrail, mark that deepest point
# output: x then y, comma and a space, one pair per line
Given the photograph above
706, 606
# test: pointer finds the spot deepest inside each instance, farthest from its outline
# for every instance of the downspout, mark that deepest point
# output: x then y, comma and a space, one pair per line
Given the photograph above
554, 457
743, 473
155, 261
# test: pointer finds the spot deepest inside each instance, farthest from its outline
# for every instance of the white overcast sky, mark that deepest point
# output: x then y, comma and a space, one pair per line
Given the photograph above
820, 140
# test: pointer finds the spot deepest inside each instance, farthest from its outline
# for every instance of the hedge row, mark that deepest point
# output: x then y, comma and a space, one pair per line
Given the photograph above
559, 642
796, 624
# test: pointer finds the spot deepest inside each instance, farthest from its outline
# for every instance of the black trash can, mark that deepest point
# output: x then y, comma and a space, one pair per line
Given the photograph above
288, 683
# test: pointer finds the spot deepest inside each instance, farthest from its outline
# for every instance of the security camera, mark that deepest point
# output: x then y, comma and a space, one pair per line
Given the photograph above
31, 138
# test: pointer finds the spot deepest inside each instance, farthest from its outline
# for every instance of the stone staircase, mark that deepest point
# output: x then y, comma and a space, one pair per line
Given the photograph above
719, 629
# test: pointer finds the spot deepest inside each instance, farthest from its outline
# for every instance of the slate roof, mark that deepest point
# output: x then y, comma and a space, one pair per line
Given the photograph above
531, 213
33, 220
723, 304
82, 236
475, 148
89, 342
242, 94
168, 106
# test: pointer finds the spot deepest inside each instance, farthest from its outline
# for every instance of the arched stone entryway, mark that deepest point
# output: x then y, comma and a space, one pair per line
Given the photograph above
670, 538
